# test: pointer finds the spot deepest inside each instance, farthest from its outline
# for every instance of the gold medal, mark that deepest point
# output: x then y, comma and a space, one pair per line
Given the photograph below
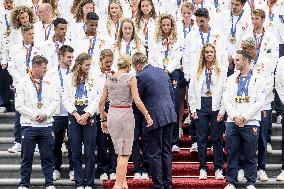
238, 99
270, 24
39, 105
166, 61
247, 99
208, 92
8, 32
233, 40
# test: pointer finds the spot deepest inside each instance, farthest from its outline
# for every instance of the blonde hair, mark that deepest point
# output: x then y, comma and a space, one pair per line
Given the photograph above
77, 76
173, 33
139, 58
109, 18
187, 5
124, 61
15, 16
202, 61
133, 37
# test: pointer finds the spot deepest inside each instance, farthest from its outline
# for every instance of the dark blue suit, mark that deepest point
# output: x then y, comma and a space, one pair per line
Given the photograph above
155, 91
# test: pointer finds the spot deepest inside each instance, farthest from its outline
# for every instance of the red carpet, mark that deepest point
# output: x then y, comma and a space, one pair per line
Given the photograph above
178, 183
185, 171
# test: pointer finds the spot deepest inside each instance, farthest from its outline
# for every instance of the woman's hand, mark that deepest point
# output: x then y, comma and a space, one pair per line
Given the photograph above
220, 117
104, 127
194, 115
149, 120
84, 118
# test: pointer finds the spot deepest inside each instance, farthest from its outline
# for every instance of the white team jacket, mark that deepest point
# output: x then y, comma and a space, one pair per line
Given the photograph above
26, 102
194, 91
251, 111
279, 79
70, 91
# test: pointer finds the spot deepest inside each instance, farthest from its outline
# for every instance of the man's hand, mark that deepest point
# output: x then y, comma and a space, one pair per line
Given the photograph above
240, 121
41, 118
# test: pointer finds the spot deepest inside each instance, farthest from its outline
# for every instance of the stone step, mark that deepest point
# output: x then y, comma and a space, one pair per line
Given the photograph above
183, 156
12, 183
185, 169
8, 117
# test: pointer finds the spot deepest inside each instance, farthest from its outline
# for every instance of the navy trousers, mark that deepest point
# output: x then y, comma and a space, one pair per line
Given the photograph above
17, 127
176, 77
246, 136
139, 155
86, 134
205, 117
107, 158
158, 147
60, 125
262, 140
44, 137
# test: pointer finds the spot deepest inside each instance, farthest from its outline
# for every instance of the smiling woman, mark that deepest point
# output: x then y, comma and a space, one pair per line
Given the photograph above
205, 95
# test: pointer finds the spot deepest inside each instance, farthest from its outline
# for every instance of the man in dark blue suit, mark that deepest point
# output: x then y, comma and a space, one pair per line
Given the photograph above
155, 91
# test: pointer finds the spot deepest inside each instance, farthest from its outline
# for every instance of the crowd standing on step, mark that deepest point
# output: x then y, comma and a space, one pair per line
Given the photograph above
111, 79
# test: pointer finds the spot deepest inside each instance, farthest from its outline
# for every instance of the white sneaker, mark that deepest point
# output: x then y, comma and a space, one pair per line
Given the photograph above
137, 176
180, 133
279, 119
219, 174
3, 110
230, 186
50, 187
193, 147
202, 174
64, 148
16, 148
241, 175
112, 176
36, 148
187, 120
250, 187
145, 176
269, 148
71, 176
262, 176
80, 187
175, 148
56, 175
23, 187
280, 177
103, 177
88, 187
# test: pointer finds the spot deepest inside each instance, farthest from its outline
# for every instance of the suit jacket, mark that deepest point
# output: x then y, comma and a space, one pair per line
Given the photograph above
155, 91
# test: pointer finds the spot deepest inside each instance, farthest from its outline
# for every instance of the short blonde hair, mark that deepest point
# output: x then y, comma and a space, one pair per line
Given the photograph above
124, 61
